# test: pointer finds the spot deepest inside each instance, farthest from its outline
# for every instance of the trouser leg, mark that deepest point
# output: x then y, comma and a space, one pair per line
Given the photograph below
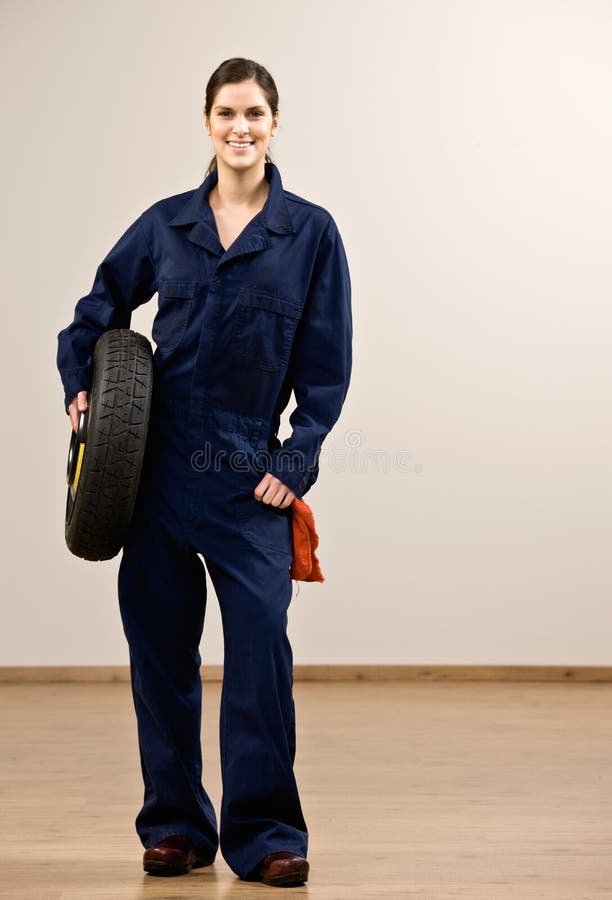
260, 808
162, 598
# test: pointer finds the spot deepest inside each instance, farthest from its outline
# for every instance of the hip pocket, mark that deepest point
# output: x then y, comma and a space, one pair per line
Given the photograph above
265, 526
264, 329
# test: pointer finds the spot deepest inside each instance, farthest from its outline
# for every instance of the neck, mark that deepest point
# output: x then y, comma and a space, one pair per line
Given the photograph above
239, 188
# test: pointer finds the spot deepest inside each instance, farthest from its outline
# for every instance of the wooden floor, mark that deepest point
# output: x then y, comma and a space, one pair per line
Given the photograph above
478, 790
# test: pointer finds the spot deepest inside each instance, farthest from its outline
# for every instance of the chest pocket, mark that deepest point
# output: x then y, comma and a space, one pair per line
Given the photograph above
170, 323
264, 329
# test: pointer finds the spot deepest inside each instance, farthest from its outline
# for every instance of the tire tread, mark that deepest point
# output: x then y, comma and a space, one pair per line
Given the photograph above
120, 404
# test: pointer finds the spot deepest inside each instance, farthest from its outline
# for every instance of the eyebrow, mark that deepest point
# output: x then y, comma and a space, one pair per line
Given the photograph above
229, 107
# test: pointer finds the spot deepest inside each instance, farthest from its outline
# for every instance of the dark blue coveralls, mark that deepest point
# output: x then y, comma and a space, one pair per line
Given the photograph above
236, 331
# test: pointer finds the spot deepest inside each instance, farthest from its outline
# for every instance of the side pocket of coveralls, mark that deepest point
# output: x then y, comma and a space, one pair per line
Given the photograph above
264, 329
264, 525
170, 323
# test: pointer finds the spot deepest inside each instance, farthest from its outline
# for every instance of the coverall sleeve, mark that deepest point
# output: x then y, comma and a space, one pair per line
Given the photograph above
320, 365
124, 280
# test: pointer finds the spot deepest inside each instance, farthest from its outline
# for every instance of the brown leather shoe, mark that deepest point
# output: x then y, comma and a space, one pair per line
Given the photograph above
175, 855
283, 868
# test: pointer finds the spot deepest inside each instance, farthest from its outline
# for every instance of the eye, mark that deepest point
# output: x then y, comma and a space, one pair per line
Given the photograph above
254, 112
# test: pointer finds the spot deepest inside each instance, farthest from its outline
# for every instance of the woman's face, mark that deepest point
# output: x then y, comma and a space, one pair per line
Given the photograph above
240, 114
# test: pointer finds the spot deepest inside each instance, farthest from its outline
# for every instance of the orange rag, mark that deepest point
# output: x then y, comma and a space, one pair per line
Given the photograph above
305, 565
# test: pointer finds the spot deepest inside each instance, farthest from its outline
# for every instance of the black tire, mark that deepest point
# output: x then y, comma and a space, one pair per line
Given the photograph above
106, 455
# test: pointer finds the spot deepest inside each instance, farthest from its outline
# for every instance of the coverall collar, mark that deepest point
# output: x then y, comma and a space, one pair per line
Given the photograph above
274, 217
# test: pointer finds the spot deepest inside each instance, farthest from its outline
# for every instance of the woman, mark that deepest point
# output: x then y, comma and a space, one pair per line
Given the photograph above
254, 302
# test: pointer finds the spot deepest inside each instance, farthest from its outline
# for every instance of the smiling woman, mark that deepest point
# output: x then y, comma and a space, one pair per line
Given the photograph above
254, 304
242, 119
241, 125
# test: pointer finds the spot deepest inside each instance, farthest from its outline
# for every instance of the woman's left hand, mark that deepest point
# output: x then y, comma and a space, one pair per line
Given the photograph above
273, 491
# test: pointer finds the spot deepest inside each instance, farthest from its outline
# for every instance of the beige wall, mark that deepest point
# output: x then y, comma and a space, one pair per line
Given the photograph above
464, 149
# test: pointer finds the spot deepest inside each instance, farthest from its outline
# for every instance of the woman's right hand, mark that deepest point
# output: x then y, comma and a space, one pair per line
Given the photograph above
77, 406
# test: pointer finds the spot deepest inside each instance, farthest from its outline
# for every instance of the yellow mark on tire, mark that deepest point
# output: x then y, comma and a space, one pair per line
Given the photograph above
75, 483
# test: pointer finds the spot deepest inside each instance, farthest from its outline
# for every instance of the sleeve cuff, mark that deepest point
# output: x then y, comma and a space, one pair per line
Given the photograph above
75, 380
284, 466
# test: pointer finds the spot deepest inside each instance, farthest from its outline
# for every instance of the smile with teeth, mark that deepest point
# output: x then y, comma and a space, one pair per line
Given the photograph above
240, 143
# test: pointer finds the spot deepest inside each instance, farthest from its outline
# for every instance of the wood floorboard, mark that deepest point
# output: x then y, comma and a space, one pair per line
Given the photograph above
435, 791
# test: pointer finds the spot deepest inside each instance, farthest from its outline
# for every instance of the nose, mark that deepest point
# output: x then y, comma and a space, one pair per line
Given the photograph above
241, 126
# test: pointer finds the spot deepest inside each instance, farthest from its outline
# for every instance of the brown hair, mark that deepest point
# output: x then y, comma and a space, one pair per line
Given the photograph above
232, 71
